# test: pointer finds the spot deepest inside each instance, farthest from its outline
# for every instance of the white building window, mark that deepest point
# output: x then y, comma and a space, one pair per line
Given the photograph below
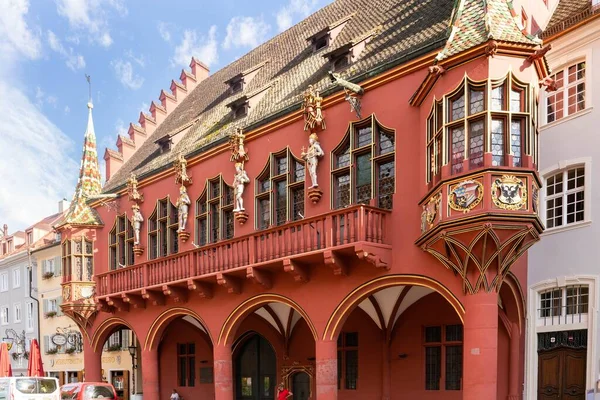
16, 278
569, 96
4, 315
4, 282
18, 313
565, 197
29, 318
565, 305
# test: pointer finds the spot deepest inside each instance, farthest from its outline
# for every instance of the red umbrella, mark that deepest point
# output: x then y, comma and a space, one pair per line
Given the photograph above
35, 367
5, 367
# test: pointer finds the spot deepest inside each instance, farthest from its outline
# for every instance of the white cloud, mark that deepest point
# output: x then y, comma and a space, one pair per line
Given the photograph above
91, 16
204, 48
246, 32
140, 60
16, 37
34, 163
295, 8
67, 110
41, 98
73, 61
144, 107
125, 74
165, 31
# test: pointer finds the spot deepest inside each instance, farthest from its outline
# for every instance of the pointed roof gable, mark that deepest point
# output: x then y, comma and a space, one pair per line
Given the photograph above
477, 21
88, 184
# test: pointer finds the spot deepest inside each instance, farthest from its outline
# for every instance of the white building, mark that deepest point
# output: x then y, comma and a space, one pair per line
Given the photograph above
563, 339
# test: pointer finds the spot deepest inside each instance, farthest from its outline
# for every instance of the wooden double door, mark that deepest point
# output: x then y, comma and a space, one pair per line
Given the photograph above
561, 374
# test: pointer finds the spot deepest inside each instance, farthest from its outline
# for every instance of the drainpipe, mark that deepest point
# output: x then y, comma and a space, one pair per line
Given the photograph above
30, 272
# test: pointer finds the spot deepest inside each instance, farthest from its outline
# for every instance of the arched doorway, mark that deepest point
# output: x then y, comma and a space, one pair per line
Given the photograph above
301, 386
255, 369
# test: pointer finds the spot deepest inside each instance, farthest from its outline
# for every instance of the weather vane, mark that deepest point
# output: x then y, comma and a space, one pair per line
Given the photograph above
89, 80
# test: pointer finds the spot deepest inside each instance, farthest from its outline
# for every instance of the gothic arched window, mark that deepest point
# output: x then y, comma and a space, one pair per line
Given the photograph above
363, 165
162, 229
214, 212
121, 243
280, 190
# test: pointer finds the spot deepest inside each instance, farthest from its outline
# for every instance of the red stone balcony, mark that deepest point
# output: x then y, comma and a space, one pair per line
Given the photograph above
338, 239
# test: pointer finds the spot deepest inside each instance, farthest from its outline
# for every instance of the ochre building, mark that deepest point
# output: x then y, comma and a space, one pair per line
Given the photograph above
346, 209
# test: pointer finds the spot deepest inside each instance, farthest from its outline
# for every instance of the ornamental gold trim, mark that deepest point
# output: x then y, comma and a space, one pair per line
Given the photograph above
509, 193
465, 195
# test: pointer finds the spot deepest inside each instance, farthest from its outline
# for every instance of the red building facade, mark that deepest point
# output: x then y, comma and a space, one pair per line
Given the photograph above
398, 276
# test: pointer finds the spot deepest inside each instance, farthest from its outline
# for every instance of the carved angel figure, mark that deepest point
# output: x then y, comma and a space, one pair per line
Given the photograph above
136, 221
239, 181
236, 143
312, 156
183, 206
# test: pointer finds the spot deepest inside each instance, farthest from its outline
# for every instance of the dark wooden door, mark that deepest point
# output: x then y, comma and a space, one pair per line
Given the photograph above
255, 370
301, 386
561, 374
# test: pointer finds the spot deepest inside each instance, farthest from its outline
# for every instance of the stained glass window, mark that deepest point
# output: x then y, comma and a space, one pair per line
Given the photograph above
214, 216
163, 233
497, 142
476, 144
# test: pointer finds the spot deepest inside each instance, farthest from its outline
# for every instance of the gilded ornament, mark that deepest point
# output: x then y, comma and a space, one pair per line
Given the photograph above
181, 175
535, 199
431, 210
311, 108
132, 190
465, 196
236, 144
509, 193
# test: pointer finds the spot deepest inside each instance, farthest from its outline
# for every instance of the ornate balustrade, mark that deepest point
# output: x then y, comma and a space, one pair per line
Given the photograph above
333, 238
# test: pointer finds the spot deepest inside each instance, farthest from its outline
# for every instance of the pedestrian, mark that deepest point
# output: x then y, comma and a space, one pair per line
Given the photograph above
175, 395
283, 393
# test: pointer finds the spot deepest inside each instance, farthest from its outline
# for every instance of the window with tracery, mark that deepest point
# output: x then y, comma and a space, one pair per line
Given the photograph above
78, 259
477, 118
121, 243
363, 165
280, 190
162, 229
214, 212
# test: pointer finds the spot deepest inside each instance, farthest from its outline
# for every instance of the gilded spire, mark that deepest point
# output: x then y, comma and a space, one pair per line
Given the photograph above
89, 182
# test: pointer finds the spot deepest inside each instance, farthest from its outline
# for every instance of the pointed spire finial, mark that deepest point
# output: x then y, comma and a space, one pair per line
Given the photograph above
89, 80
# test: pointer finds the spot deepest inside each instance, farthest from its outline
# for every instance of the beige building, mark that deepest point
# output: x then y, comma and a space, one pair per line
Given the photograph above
60, 338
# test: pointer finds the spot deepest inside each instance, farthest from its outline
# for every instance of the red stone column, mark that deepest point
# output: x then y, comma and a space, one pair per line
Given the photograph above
92, 363
150, 375
386, 379
326, 360
480, 373
515, 362
223, 374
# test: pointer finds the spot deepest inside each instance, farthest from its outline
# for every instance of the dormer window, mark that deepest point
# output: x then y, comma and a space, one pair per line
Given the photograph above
239, 107
340, 58
29, 238
326, 36
164, 143
320, 41
10, 245
341, 62
236, 85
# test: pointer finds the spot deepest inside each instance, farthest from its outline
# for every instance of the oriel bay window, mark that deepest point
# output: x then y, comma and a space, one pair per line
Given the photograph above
214, 212
363, 165
78, 259
492, 116
121, 243
280, 190
162, 229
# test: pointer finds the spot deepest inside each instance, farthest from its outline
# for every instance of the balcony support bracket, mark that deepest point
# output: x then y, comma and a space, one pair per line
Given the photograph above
204, 290
134, 300
259, 277
336, 262
233, 285
155, 298
298, 270
179, 295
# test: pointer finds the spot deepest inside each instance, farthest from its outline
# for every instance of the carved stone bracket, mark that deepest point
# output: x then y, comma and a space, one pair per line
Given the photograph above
117, 303
336, 262
259, 277
178, 294
136, 301
153, 297
298, 271
233, 285
241, 217
183, 236
138, 250
314, 194
204, 290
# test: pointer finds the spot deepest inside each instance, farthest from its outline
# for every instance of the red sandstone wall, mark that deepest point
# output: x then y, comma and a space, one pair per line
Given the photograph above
503, 360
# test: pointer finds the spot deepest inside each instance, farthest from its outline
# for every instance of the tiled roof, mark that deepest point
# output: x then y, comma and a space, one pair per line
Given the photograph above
569, 13
408, 28
477, 21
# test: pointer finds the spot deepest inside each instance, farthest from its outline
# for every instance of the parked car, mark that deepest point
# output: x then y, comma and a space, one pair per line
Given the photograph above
29, 388
88, 391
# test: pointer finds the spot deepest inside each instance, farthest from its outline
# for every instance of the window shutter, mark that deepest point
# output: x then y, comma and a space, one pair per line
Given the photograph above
45, 306
44, 266
46, 342
125, 339
59, 301
57, 266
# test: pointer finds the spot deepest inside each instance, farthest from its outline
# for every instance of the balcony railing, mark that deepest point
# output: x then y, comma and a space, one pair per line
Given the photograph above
336, 229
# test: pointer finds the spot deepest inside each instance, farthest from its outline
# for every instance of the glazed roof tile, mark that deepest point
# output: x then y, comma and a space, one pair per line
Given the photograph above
408, 29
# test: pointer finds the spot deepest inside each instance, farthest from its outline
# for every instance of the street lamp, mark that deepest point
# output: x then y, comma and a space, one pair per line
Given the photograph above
132, 352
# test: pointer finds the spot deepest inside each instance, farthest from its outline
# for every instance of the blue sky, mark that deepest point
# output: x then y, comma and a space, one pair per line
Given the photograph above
131, 49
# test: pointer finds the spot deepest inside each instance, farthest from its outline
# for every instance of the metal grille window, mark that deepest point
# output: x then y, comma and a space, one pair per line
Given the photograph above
280, 190
348, 360
564, 305
565, 197
363, 165
186, 364
570, 84
121, 243
443, 357
214, 212
162, 229
477, 118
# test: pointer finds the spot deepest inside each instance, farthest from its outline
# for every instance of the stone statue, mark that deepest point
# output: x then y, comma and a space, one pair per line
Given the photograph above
136, 222
181, 170
239, 180
236, 143
424, 219
183, 205
312, 157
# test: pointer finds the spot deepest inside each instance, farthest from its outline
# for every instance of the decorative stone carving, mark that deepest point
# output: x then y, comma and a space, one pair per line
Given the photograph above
465, 196
311, 108
312, 156
509, 193
183, 206
182, 176
314, 194
535, 199
240, 179
431, 210
236, 143
132, 190
352, 90
136, 222
241, 217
